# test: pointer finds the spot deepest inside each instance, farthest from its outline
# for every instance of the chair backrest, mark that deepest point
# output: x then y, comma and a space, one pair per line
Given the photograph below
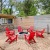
31, 36
20, 29
7, 33
42, 31
7, 29
31, 28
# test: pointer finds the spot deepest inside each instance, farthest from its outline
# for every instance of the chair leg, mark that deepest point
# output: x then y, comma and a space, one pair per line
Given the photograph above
11, 41
42, 36
37, 35
28, 41
16, 38
25, 37
7, 40
31, 41
34, 41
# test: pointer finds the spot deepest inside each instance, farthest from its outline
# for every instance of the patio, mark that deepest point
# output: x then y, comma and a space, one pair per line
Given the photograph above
21, 44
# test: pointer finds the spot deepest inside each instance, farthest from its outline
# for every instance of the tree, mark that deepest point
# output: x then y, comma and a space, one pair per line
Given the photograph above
25, 8
19, 7
29, 8
45, 4
6, 11
7, 7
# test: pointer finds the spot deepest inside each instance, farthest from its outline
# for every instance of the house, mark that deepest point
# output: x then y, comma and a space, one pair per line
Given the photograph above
6, 21
4, 18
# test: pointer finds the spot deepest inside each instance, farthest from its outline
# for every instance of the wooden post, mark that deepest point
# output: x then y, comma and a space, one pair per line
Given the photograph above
48, 29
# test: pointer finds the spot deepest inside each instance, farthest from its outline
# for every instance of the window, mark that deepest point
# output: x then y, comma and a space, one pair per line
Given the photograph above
9, 20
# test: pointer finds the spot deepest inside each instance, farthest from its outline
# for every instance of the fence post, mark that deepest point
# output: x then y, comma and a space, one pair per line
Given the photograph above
48, 29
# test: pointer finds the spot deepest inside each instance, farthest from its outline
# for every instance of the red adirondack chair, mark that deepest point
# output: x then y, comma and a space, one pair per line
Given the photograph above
31, 28
10, 36
8, 31
20, 29
40, 33
30, 37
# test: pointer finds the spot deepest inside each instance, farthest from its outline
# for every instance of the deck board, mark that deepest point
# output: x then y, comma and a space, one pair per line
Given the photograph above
21, 44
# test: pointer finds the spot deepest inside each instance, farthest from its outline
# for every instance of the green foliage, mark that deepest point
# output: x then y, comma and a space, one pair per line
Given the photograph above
27, 5
46, 5
21, 14
48, 10
26, 8
6, 11
29, 8
11, 3
33, 10
19, 6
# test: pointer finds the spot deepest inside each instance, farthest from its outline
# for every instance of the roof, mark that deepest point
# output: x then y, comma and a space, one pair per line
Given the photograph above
7, 16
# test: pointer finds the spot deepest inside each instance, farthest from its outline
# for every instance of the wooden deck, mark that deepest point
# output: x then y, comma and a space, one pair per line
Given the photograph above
21, 44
